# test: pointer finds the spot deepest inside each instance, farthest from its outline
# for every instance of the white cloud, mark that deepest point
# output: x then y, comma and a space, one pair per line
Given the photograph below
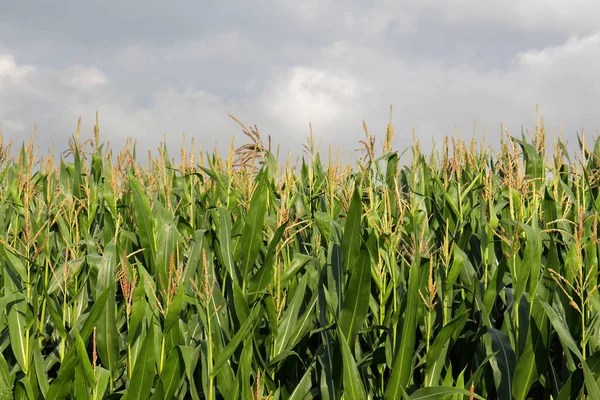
11, 71
337, 86
569, 16
375, 22
310, 94
307, 10
54, 98
530, 15
586, 47
78, 76
435, 97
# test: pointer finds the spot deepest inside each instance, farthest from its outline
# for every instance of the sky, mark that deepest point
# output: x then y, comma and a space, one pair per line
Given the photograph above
155, 68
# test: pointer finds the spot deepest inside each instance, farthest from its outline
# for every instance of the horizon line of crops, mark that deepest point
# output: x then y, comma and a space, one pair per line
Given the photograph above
462, 274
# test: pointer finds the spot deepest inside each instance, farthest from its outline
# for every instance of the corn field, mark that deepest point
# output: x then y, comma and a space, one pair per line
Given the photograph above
461, 274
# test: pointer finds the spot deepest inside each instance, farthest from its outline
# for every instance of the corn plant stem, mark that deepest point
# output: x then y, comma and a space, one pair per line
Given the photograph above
381, 299
428, 331
76, 290
427, 343
395, 307
162, 354
43, 309
486, 253
381, 318
28, 279
583, 330
516, 309
26, 369
447, 311
460, 203
129, 366
42, 322
210, 353
27, 331
192, 204
64, 322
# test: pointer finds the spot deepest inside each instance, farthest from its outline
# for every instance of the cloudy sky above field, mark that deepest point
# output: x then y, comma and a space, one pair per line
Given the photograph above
155, 68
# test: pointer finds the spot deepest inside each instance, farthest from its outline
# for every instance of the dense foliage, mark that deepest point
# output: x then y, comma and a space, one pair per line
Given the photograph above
463, 274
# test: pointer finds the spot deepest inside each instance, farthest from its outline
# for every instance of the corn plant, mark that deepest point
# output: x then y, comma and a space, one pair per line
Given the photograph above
463, 273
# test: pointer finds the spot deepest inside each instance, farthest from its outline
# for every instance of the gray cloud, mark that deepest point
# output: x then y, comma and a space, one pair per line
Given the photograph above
183, 67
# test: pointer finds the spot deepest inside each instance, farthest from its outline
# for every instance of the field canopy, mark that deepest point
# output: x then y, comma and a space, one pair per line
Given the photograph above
463, 273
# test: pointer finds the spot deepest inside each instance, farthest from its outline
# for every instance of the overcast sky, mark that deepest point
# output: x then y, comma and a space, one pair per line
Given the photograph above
152, 68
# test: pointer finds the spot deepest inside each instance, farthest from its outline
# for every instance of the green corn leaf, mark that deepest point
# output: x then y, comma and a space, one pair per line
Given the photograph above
102, 380
439, 392
84, 361
76, 185
253, 227
14, 266
351, 239
168, 239
265, 274
226, 248
61, 386
240, 304
449, 200
533, 258
24, 389
56, 318
144, 370
533, 360
299, 261
245, 369
239, 337
573, 387
190, 359
303, 389
41, 375
107, 333
174, 309
138, 310
6, 382
505, 357
216, 176
356, 300
144, 222
304, 324
434, 362
353, 386
287, 325
82, 388
460, 383
10, 299
534, 163
170, 377
559, 325
402, 366
17, 332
